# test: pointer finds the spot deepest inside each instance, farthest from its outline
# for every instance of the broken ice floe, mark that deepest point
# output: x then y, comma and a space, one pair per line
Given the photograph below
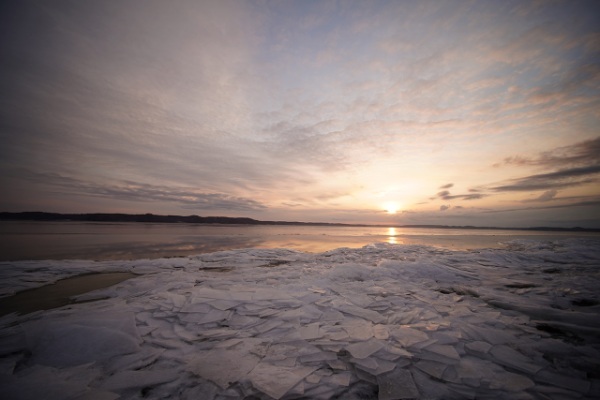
386, 322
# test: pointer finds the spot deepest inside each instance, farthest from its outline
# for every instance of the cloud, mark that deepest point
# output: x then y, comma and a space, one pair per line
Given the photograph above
445, 195
546, 196
447, 186
140, 192
580, 154
444, 207
592, 202
552, 180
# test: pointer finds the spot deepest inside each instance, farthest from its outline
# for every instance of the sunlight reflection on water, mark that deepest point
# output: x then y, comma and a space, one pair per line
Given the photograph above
392, 236
117, 241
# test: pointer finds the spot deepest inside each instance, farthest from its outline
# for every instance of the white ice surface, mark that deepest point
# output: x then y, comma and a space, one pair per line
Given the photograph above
387, 322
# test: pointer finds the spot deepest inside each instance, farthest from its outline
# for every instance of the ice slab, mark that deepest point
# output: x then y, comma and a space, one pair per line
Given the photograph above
513, 359
276, 380
201, 294
489, 335
65, 342
407, 336
444, 350
213, 315
366, 364
270, 294
358, 329
510, 382
203, 391
370, 315
138, 379
133, 361
225, 366
478, 347
381, 332
305, 314
310, 331
397, 384
334, 333
432, 368
338, 365
332, 315
268, 325
382, 367
224, 304
318, 357
364, 349
430, 388
340, 379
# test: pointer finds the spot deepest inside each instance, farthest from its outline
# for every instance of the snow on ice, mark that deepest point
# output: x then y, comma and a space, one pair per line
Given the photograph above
383, 322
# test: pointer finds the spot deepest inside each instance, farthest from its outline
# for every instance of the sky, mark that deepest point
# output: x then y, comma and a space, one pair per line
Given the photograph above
482, 113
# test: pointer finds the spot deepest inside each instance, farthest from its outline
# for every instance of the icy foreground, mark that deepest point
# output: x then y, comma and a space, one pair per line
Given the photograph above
386, 322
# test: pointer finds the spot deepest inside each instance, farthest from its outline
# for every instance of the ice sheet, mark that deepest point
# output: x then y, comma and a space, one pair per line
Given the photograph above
400, 321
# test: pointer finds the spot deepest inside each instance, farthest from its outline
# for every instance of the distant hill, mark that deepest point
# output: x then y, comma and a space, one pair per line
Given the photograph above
148, 218
195, 219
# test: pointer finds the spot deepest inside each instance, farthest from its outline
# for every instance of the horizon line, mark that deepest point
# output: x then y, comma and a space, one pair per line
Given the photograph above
225, 220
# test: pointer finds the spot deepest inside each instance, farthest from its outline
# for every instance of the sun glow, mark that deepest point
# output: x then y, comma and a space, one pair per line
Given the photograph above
392, 207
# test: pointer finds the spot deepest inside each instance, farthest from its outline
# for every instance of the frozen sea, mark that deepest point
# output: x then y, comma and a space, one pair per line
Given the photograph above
405, 315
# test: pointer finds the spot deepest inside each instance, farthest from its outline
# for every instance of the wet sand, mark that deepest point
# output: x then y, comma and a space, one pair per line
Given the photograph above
58, 294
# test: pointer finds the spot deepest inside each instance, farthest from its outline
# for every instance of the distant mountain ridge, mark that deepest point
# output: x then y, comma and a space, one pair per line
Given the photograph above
195, 219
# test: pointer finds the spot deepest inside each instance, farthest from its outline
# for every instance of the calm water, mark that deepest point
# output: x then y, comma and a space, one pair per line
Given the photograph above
105, 241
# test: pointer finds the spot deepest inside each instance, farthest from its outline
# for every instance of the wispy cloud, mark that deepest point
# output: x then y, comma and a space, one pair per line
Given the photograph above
553, 180
548, 195
139, 192
593, 202
446, 195
586, 153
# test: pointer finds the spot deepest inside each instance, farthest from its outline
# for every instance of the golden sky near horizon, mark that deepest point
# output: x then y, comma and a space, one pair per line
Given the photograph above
454, 112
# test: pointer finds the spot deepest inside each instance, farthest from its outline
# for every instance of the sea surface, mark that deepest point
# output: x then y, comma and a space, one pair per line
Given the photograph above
125, 241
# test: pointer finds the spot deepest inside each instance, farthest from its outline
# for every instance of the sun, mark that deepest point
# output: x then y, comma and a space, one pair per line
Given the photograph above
392, 207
